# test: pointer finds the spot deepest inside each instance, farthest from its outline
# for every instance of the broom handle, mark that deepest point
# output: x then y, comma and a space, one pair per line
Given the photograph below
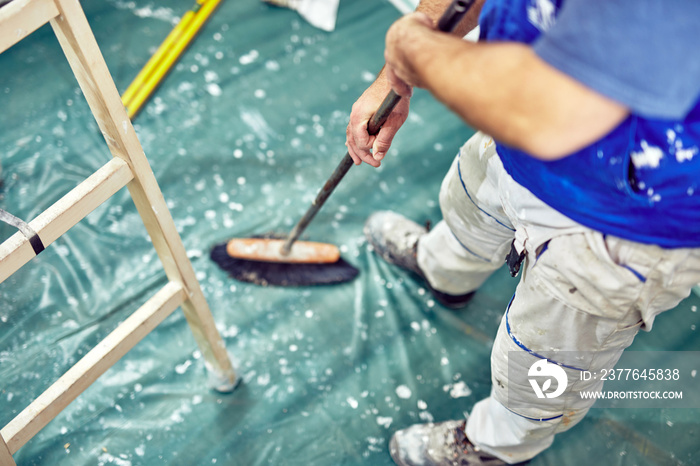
448, 21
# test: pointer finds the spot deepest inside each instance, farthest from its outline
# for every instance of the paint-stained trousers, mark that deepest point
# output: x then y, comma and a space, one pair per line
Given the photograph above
580, 292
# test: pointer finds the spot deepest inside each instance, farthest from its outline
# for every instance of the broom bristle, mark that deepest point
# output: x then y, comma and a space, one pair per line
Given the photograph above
280, 274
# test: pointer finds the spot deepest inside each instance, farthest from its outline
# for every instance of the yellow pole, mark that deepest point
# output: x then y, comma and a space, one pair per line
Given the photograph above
154, 61
167, 54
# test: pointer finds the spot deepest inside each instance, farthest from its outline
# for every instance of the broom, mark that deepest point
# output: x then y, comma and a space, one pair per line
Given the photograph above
270, 260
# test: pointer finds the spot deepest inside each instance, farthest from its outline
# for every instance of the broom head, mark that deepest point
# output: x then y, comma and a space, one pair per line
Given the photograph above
260, 261
270, 250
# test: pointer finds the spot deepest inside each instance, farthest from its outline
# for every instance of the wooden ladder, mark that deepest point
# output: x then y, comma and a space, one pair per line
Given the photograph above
129, 168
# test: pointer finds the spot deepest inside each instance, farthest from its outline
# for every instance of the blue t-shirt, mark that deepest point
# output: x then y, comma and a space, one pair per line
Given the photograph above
639, 182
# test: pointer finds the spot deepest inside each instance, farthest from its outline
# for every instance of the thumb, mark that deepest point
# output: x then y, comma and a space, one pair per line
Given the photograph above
383, 141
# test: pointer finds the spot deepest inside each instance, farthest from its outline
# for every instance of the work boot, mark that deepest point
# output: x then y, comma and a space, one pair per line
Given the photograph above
395, 239
441, 444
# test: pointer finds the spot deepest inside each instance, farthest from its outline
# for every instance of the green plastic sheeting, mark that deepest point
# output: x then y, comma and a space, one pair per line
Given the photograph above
240, 136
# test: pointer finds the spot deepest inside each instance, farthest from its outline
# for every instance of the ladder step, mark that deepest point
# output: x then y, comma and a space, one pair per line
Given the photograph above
20, 18
64, 214
103, 356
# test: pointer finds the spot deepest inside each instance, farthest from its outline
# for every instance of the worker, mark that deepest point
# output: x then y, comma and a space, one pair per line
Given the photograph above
584, 170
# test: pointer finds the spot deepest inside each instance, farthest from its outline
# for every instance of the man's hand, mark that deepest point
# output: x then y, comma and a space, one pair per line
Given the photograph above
363, 147
399, 72
371, 149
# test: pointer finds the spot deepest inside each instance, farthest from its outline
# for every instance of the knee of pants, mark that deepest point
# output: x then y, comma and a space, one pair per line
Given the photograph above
471, 184
563, 319
471, 207
537, 388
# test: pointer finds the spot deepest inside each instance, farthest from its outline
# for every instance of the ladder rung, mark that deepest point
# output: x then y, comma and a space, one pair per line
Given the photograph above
59, 395
20, 18
64, 214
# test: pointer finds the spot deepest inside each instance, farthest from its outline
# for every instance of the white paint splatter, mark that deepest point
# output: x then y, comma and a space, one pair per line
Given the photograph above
541, 15
670, 136
368, 76
185, 86
210, 76
402, 391
263, 379
384, 421
650, 156
683, 155
231, 331
214, 89
106, 458
182, 368
460, 390
162, 13
249, 57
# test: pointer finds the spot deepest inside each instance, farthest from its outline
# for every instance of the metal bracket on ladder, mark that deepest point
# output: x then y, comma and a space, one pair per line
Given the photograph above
129, 168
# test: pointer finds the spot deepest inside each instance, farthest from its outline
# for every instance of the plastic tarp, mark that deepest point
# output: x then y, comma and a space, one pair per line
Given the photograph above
240, 136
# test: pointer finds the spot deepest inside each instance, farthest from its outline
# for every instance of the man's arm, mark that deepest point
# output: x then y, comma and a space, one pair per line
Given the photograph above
503, 89
372, 149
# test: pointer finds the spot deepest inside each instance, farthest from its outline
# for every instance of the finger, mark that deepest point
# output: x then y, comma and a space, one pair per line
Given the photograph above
358, 156
355, 159
397, 84
385, 137
369, 160
382, 143
352, 146
363, 154
357, 128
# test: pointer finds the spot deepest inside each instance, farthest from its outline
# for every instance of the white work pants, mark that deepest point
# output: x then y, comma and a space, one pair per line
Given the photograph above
580, 291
